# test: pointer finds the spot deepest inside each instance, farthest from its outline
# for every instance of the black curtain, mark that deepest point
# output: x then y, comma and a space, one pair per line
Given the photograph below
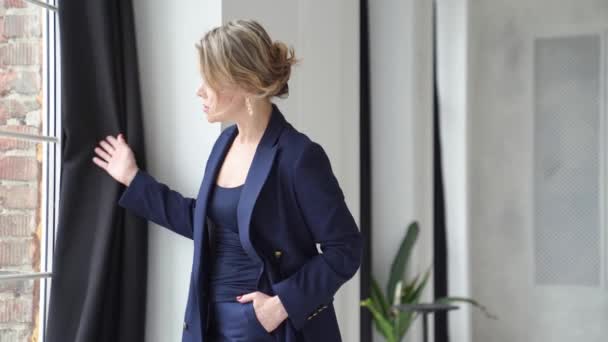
98, 287
440, 264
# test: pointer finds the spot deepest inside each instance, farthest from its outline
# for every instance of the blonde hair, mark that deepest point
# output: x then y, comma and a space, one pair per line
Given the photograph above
241, 53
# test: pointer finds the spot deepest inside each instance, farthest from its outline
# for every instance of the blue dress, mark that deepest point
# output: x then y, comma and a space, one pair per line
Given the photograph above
233, 273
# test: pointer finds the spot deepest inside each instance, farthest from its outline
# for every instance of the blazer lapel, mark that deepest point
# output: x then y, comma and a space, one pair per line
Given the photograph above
258, 172
201, 234
214, 163
256, 177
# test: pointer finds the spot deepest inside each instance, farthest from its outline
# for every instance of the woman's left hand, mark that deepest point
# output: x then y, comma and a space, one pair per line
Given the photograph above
268, 309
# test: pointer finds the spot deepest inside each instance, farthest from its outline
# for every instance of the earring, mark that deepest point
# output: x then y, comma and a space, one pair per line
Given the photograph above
249, 109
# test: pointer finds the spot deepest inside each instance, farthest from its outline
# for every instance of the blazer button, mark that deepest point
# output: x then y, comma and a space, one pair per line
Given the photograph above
185, 326
277, 254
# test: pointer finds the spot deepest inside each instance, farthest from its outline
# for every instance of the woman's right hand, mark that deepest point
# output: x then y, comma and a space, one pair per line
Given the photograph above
116, 158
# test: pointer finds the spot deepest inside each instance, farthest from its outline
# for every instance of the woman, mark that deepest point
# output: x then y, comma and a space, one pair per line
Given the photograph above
268, 196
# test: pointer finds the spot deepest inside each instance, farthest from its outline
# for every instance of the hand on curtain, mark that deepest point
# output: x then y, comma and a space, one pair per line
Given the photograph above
116, 158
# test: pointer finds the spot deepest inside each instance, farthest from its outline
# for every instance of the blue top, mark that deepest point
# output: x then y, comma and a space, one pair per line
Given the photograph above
233, 272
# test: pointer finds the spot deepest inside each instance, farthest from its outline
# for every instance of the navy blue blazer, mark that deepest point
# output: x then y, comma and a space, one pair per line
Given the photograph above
291, 200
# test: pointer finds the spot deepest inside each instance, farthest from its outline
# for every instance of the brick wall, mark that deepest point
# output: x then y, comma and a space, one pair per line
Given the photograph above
21, 101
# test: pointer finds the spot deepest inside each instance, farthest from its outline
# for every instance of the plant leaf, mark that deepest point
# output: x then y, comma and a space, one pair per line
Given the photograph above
409, 288
398, 293
400, 261
417, 292
383, 325
405, 319
378, 298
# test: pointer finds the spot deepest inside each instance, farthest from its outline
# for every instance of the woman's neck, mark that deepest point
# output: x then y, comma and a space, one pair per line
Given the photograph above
252, 127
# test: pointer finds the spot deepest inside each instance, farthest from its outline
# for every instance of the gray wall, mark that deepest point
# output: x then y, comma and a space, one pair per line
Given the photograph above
501, 140
486, 79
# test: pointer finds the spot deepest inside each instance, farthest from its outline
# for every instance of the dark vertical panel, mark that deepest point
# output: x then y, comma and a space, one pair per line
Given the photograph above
439, 232
365, 169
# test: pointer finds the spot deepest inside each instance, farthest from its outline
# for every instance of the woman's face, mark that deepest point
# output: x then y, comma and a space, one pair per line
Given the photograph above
220, 105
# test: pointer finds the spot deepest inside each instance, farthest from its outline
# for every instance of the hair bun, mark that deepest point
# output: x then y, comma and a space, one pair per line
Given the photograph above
283, 58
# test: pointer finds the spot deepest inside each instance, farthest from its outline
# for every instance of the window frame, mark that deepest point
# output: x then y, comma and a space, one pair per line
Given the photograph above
51, 170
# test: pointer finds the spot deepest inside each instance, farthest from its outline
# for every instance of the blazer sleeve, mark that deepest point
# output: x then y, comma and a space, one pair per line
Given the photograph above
326, 214
156, 202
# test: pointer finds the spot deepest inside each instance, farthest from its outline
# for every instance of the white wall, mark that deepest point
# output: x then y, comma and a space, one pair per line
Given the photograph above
401, 134
323, 103
178, 141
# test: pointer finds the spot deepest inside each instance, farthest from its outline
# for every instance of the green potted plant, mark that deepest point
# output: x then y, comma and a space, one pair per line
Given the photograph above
394, 324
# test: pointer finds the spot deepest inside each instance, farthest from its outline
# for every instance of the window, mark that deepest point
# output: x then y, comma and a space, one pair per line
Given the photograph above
29, 163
